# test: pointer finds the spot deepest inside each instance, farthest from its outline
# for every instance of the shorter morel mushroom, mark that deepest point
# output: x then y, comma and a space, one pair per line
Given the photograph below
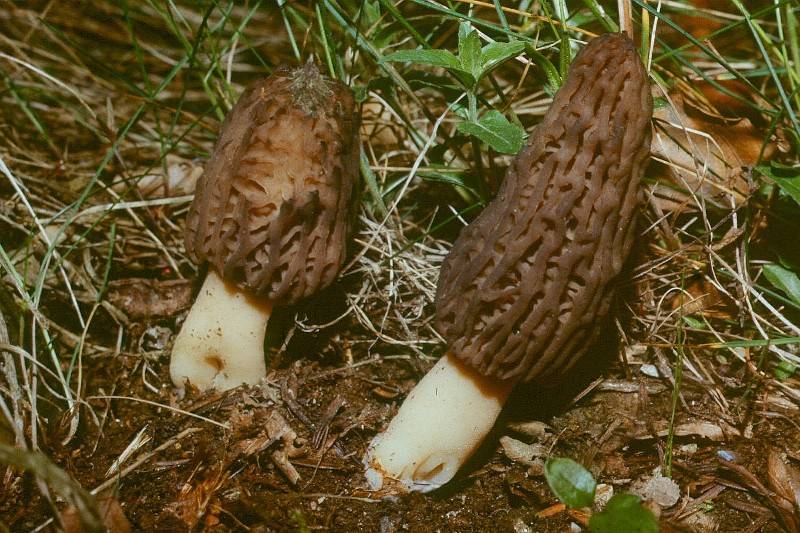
524, 291
271, 216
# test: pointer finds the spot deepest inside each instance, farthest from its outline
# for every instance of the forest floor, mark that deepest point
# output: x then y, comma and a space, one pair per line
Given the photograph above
109, 111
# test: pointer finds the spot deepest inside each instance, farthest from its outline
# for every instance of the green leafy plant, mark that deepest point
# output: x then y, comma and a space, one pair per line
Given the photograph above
785, 280
575, 487
787, 178
693, 322
300, 521
471, 64
570, 482
784, 370
623, 513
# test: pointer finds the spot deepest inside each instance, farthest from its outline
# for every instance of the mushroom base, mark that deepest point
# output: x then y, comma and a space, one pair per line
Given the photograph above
439, 426
221, 342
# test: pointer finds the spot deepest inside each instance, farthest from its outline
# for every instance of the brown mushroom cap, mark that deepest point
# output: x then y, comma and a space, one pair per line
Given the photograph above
522, 292
275, 205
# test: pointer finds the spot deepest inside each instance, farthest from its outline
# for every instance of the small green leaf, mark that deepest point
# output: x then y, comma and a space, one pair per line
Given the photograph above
495, 130
449, 178
623, 512
570, 482
464, 77
495, 53
560, 9
785, 280
599, 14
460, 111
784, 370
300, 521
436, 58
383, 36
464, 28
372, 12
786, 177
550, 71
706, 507
469, 54
565, 54
694, 323
660, 102
360, 92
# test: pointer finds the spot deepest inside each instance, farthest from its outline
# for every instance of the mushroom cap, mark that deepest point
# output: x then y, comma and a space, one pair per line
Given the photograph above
276, 203
524, 289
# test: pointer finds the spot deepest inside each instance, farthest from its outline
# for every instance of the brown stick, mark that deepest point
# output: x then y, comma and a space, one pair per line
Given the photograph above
625, 17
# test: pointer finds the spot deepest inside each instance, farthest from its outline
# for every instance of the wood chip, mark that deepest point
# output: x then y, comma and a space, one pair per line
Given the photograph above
277, 427
141, 298
520, 452
783, 478
111, 513
707, 430
552, 510
534, 429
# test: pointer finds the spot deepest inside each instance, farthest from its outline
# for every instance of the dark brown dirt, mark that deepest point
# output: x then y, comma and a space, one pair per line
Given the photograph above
198, 481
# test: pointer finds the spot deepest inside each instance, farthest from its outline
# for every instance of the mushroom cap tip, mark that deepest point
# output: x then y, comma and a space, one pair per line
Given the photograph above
310, 89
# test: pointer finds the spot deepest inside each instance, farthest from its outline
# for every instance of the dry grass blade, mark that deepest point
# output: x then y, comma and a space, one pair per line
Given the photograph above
39, 465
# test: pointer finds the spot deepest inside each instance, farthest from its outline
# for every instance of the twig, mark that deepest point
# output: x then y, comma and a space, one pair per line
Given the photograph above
625, 17
143, 458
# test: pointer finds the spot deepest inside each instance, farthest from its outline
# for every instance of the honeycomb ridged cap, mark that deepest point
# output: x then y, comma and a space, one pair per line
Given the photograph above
523, 292
276, 204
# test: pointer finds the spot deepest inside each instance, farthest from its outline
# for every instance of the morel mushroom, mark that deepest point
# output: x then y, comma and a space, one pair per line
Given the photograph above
271, 215
523, 292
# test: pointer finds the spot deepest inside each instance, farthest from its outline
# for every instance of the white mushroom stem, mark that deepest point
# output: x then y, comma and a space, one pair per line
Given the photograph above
221, 343
439, 426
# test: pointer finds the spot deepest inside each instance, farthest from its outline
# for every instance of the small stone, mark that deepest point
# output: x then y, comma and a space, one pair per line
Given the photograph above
700, 523
602, 493
520, 452
533, 429
155, 338
658, 489
726, 455
388, 525
649, 370
688, 449
522, 527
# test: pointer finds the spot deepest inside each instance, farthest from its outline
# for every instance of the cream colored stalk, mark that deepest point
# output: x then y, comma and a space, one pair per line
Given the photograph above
221, 342
438, 427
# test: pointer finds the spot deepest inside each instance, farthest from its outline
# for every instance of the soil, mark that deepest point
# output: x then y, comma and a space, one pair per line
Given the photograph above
202, 481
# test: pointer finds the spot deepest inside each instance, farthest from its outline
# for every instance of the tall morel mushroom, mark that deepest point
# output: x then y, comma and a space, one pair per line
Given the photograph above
523, 292
271, 215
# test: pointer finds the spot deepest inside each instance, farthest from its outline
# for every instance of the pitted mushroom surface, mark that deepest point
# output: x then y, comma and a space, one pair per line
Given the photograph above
273, 210
523, 292
272, 216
